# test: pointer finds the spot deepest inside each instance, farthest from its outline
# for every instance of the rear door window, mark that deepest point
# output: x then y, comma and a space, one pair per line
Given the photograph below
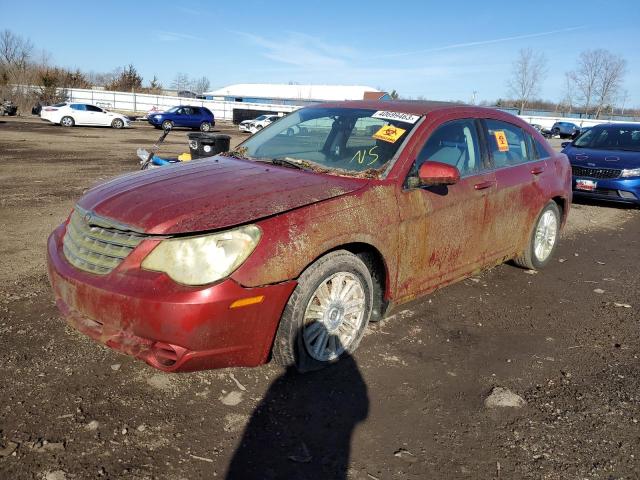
507, 144
78, 106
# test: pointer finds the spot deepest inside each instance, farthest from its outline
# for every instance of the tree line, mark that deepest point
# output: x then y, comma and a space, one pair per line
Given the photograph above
593, 87
28, 76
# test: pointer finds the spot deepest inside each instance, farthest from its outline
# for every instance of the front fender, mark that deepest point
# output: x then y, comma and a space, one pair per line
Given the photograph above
293, 240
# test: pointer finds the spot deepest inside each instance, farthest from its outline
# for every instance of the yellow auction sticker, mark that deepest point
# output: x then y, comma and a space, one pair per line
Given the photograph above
501, 139
389, 133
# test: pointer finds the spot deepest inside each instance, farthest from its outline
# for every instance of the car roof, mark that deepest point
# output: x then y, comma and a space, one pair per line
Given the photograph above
611, 124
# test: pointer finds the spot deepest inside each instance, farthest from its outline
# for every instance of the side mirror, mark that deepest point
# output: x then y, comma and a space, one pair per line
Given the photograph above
565, 144
437, 173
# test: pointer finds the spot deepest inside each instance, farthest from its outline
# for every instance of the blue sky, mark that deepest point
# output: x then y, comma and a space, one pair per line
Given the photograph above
437, 50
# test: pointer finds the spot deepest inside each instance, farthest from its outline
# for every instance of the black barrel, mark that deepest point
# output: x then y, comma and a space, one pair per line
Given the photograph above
203, 144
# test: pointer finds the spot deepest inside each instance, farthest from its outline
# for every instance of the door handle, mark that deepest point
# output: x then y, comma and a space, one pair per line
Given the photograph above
483, 185
537, 170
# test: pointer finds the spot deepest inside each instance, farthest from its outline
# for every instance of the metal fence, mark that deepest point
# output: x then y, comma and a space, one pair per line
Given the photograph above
142, 102
223, 110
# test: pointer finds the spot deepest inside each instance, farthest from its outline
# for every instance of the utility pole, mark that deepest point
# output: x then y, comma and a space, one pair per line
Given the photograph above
473, 98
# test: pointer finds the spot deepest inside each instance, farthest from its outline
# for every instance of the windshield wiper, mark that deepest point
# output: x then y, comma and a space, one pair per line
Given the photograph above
284, 162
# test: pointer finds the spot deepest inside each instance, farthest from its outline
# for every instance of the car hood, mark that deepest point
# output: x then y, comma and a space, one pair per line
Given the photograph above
210, 194
589, 157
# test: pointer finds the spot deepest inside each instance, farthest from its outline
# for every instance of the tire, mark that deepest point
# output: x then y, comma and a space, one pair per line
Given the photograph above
258, 128
309, 344
167, 125
67, 122
545, 230
117, 123
205, 127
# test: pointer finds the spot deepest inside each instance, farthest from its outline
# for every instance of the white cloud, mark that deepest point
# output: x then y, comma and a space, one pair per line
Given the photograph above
481, 42
302, 50
166, 36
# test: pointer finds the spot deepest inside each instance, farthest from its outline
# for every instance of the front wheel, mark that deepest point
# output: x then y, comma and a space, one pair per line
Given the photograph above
326, 314
117, 123
543, 240
67, 122
167, 125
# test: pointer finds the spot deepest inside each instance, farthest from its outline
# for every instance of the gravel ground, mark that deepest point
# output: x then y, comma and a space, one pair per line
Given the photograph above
412, 402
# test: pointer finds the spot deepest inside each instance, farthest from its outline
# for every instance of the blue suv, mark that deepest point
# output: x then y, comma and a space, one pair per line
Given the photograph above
605, 161
198, 118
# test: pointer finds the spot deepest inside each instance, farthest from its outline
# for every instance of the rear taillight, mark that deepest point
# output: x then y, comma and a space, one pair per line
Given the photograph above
50, 109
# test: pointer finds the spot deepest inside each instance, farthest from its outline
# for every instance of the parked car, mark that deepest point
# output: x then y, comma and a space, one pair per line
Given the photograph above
545, 132
605, 161
288, 246
187, 94
7, 107
258, 123
72, 114
565, 130
184, 116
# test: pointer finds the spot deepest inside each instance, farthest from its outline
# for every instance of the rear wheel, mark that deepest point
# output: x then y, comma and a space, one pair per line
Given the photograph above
543, 240
326, 314
67, 121
205, 127
117, 123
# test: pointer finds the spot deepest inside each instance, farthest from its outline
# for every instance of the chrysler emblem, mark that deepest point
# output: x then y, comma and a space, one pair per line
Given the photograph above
88, 217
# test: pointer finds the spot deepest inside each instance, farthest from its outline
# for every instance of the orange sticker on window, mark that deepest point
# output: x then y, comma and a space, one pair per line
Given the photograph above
389, 133
501, 139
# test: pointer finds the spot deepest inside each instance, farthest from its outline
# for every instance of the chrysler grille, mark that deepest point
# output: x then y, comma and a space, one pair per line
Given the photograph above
97, 245
601, 173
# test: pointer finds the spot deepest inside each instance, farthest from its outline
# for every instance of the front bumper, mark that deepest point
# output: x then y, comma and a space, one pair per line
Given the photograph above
622, 190
154, 121
171, 327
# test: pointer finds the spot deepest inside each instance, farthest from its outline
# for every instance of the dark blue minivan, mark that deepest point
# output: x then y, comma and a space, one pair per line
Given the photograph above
605, 161
197, 118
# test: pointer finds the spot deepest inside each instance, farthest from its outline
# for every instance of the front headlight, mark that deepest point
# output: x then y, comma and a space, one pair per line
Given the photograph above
157, 117
630, 172
204, 259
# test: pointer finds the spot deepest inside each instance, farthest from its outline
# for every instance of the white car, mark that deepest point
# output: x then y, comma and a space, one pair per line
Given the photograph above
252, 126
70, 114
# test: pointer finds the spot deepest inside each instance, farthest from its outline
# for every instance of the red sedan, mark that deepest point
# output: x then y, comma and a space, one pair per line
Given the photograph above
288, 246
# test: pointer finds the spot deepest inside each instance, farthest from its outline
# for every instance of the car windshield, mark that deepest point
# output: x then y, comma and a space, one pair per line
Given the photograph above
610, 137
344, 141
173, 110
261, 117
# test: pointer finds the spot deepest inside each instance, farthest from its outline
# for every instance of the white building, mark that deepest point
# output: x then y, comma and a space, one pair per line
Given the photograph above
285, 94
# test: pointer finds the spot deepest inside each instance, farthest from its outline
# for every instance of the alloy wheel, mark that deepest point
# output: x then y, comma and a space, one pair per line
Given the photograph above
546, 234
334, 316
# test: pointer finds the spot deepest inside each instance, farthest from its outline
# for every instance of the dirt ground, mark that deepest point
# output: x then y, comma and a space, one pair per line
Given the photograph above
409, 404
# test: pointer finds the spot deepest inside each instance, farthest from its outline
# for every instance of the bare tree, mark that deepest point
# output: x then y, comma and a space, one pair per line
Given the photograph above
201, 85
15, 51
181, 82
610, 82
568, 99
528, 71
598, 78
